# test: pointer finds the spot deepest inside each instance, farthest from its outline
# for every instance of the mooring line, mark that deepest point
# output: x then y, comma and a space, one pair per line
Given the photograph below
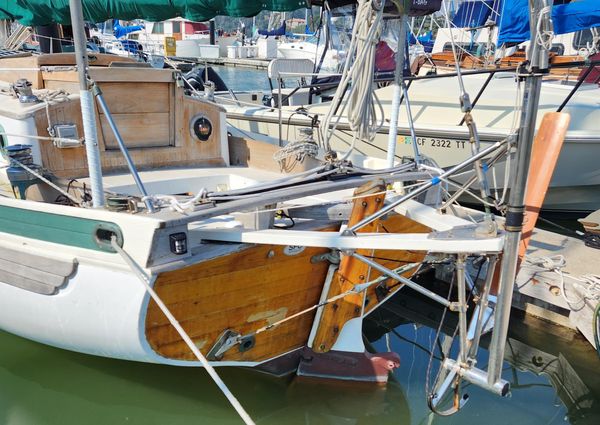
211, 370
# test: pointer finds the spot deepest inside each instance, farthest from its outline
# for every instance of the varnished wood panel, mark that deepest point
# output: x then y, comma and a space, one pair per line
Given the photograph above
389, 258
26, 66
351, 271
141, 97
138, 130
242, 291
185, 150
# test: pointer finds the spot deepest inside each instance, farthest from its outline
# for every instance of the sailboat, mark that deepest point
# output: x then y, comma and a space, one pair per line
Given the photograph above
209, 256
440, 128
200, 231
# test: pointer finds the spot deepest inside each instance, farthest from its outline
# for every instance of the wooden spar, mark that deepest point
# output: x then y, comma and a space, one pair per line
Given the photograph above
546, 149
351, 272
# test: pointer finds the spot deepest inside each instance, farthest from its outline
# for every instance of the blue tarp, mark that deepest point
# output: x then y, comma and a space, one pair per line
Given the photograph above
473, 14
121, 31
574, 16
278, 32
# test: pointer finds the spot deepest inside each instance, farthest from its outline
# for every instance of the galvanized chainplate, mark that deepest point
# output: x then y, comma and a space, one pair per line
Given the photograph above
227, 340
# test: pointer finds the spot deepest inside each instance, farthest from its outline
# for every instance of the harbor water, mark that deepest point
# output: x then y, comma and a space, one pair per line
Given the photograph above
554, 375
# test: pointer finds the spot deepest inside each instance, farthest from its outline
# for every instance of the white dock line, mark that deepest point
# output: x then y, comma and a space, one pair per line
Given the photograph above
211, 370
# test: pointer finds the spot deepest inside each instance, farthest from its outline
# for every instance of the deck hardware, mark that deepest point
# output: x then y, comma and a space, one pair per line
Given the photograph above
104, 233
25, 91
178, 243
227, 340
247, 342
66, 136
201, 127
333, 257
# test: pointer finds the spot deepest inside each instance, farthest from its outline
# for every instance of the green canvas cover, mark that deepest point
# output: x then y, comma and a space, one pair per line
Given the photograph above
44, 12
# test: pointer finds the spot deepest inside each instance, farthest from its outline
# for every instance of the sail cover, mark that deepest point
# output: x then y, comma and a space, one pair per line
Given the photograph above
569, 16
472, 14
44, 12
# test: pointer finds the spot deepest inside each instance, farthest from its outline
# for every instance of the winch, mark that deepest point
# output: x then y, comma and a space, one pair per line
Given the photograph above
19, 157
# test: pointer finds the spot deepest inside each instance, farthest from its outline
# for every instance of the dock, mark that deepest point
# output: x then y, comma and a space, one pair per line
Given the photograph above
253, 63
555, 263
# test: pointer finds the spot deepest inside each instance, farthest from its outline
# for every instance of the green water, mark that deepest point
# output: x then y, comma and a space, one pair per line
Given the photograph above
40, 385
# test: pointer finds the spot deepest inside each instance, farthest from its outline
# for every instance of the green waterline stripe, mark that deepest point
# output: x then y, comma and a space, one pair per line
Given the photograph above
58, 228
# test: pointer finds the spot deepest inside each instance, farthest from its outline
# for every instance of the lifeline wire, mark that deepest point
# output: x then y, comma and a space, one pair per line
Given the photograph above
211, 371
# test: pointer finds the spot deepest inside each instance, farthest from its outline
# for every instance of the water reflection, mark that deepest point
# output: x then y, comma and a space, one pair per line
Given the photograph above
43, 385
553, 372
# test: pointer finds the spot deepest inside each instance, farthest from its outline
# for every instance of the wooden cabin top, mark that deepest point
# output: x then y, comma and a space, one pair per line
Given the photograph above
153, 114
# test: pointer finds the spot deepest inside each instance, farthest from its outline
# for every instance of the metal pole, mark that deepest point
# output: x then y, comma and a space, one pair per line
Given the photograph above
435, 180
390, 273
462, 305
398, 81
280, 117
411, 125
516, 208
576, 87
88, 112
211, 32
124, 151
483, 304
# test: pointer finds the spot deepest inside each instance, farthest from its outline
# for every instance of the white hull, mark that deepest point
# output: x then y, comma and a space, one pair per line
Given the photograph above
575, 185
304, 50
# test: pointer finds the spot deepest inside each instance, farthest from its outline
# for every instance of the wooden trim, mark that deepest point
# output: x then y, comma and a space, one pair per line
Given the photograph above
241, 291
351, 272
185, 150
251, 287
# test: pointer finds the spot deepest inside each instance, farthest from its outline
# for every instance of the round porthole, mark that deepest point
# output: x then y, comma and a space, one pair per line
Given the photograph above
201, 128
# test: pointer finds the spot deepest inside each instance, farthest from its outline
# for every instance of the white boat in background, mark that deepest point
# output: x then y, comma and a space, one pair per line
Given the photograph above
311, 49
576, 182
439, 125
152, 37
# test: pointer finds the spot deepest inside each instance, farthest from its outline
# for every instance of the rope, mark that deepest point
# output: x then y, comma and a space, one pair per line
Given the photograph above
54, 96
211, 371
544, 36
297, 151
590, 283
361, 99
55, 140
170, 201
357, 289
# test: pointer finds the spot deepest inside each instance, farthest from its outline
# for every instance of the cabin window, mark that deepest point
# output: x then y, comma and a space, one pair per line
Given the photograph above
582, 38
558, 48
476, 49
195, 28
158, 28
176, 27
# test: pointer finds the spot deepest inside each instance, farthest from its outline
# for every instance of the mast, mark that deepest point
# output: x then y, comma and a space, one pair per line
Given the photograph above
538, 64
86, 98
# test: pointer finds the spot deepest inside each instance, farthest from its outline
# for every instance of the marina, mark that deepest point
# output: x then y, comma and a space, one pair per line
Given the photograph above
349, 219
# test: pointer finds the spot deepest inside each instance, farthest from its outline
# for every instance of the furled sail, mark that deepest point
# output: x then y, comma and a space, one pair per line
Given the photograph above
567, 16
43, 12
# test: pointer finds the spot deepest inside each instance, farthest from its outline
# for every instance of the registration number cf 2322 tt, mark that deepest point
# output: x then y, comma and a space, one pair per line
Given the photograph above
436, 142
